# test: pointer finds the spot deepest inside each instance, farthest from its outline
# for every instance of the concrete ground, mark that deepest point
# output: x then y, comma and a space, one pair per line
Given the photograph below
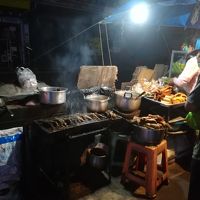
176, 189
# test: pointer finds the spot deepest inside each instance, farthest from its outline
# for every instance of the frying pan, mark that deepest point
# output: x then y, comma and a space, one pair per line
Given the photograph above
4, 106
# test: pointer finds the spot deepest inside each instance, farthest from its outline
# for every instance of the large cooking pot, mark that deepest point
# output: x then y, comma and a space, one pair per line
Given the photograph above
53, 95
147, 136
96, 102
127, 101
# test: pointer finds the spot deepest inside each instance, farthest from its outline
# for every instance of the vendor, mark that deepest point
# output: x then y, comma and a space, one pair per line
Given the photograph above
188, 78
193, 118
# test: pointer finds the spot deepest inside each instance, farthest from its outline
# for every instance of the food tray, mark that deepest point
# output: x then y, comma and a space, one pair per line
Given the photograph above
166, 105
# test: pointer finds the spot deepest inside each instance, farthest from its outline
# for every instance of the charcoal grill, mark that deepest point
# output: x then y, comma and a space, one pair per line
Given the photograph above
58, 143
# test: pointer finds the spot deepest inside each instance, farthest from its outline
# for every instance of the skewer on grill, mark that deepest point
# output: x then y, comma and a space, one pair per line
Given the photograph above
61, 122
54, 124
94, 116
68, 121
80, 118
87, 117
111, 114
102, 116
48, 126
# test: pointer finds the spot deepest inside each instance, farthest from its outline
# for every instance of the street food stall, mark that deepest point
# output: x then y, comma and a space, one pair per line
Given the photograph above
71, 135
85, 123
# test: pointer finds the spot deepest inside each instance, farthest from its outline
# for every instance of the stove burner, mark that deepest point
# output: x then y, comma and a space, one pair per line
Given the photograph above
64, 122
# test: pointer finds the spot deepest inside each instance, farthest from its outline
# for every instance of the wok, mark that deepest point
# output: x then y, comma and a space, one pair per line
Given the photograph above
147, 136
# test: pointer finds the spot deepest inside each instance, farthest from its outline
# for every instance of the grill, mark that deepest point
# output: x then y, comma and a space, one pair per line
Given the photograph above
78, 122
59, 142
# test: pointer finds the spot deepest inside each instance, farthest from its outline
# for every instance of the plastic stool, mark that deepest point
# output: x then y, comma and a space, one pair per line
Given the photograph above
146, 170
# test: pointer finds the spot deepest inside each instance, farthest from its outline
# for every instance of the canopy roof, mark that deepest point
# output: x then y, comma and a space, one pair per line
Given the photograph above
175, 13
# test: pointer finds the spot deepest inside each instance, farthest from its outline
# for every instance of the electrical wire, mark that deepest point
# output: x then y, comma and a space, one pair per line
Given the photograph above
108, 45
101, 45
64, 42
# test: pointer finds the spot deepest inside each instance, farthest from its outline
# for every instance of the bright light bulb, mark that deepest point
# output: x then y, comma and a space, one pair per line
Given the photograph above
139, 13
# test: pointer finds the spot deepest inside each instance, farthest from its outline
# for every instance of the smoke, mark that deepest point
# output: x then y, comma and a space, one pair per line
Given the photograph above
61, 43
69, 57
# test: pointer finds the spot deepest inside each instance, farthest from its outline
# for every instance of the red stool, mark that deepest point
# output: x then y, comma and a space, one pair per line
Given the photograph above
146, 170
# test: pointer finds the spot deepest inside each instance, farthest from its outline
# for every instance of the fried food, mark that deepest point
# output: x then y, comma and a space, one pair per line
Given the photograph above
165, 96
160, 93
174, 98
152, 121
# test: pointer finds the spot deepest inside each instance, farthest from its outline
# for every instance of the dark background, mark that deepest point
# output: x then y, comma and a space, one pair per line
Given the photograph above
56, 60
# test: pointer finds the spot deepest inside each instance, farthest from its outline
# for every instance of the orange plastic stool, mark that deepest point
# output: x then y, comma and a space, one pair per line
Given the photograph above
146, 172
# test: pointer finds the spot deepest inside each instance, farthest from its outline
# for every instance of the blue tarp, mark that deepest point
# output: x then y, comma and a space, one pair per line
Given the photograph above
176, 13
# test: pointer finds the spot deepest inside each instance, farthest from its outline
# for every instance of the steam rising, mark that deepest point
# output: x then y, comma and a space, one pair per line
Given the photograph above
63, 55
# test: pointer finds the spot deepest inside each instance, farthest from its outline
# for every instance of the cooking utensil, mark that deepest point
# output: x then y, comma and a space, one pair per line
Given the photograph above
127, 101
4, 106
177, 120
53, 95
140, 95
105, 90
145, 136
97, 160
96, 102
98, 154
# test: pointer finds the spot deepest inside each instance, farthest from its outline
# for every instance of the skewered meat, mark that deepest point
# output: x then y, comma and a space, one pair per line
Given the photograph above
88, 117
102, 116
94, 116
111, 114
48, 126
68, 121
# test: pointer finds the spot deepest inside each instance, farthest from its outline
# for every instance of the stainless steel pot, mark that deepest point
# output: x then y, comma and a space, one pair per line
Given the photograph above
127, 101
96, 103
145, 136
52, 95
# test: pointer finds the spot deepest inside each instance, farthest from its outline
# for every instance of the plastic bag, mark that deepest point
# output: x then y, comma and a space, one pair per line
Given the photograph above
10, 156
26, 78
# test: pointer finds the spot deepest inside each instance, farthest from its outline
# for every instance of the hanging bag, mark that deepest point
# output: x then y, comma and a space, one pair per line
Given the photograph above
26, 78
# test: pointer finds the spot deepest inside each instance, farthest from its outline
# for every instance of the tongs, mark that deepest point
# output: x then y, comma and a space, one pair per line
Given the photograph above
177, 120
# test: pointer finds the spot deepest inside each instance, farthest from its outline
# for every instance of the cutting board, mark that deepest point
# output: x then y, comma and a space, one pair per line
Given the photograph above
91, 76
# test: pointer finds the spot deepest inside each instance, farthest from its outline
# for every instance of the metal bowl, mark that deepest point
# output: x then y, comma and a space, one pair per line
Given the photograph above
147, 136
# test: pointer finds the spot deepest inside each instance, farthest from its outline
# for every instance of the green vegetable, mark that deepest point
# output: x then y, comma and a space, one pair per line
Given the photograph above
177, 68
